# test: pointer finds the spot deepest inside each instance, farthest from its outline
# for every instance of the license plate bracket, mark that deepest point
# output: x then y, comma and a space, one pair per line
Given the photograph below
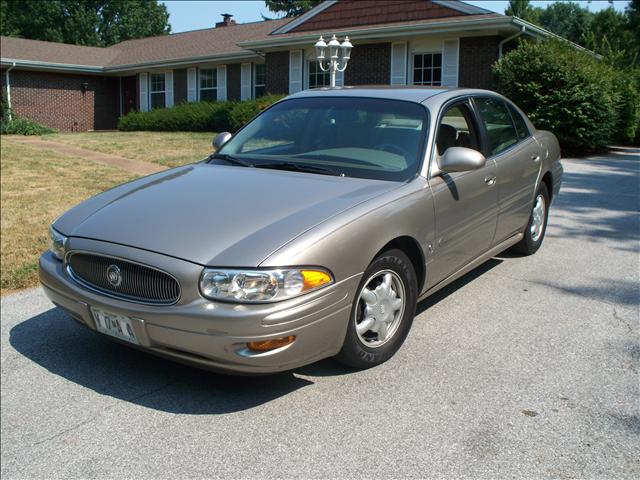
114, 325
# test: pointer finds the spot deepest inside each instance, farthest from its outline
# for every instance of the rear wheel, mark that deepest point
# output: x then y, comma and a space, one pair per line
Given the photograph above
537, 226
382, 312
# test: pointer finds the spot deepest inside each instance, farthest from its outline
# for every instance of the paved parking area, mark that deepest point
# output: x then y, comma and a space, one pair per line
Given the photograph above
525, 368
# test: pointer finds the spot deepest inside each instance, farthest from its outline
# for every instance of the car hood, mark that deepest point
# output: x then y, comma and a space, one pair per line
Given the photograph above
216, 215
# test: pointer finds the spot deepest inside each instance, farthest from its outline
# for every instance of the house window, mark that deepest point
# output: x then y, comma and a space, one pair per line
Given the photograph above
317, 78
157, 90
208, 85
427, 69
259, 81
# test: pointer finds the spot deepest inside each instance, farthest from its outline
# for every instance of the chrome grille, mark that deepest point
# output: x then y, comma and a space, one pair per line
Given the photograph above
138, 283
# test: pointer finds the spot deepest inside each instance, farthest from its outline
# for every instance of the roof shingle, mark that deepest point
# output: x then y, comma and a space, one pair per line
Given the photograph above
208, 42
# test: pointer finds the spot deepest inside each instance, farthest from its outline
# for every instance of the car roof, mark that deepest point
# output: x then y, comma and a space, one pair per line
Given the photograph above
411, 93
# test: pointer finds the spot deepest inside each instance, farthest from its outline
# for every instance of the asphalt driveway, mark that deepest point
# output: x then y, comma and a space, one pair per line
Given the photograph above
527, 367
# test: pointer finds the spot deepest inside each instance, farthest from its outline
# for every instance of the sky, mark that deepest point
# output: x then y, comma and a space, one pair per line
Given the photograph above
193, 15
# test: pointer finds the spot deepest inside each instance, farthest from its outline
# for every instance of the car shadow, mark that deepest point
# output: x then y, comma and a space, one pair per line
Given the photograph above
65, 348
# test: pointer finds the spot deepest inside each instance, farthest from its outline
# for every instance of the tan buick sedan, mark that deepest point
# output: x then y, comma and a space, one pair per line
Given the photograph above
310, 233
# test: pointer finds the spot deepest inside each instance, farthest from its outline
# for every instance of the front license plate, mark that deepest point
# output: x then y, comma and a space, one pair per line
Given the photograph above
118, 326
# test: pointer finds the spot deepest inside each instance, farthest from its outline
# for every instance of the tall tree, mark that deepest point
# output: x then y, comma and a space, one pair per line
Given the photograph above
524, 10
291, 8
83, 22
567, 19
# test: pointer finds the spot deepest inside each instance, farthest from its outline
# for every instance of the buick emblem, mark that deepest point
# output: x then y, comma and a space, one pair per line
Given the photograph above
114, 276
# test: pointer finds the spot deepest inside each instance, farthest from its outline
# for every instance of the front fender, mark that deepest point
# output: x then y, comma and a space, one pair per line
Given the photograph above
347, 244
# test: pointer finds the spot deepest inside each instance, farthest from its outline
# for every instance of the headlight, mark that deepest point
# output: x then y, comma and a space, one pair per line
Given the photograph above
57, 243
247, 286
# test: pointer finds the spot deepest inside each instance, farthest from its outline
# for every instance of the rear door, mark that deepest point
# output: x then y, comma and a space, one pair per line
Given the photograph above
511, 146
465, 202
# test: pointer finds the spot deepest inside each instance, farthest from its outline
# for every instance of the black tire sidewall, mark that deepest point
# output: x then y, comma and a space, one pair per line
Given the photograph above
535, 245
530, 245
354, 353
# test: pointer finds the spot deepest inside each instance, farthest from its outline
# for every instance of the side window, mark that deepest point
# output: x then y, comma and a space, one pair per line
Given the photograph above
521, 125
498, 124
457, 129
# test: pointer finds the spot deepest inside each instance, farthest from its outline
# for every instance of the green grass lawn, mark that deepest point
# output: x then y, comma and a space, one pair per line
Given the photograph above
169, 149
36, 186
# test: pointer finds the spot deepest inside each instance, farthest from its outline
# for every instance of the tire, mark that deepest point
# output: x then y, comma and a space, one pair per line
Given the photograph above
389, 277
534, 231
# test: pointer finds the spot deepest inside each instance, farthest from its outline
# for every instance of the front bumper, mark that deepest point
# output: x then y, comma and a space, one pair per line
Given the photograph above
210, 334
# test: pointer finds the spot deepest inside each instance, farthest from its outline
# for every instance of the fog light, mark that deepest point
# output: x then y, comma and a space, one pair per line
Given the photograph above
266, 345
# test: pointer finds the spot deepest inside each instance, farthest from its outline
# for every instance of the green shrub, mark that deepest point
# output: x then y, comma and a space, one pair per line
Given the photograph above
196, 117
627, 87
22, 126
4, 107
242, 112
585, 102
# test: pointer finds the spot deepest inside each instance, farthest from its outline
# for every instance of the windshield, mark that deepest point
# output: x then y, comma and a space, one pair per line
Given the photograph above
356, 137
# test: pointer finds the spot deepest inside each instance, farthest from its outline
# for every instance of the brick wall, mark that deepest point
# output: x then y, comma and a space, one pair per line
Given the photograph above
350, 13
233, 81
179, 85
477, 54
277, 72
369, 65
58, 100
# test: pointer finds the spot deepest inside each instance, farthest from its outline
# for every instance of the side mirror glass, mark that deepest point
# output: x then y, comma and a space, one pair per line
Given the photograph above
460, 159
220, 140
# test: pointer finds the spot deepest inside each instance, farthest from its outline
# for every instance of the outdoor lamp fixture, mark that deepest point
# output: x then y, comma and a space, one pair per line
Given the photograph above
337, 62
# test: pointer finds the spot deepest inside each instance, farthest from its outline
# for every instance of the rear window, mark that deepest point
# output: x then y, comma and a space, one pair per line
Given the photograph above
498, 124
521, 125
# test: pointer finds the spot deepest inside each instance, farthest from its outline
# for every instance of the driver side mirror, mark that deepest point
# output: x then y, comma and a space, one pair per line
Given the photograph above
220, 140
460, 159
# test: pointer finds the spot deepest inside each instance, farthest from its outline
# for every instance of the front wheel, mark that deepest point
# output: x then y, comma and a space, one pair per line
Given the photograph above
382, 313
537, 226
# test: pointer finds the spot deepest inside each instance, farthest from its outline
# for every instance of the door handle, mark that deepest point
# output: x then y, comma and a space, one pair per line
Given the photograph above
489, 180
535, 158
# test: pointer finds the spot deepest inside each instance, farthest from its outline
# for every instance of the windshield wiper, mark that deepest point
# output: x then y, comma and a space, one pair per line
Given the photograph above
231, 159
297, 167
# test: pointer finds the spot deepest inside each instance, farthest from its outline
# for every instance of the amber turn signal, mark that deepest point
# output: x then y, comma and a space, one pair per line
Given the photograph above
266, 345
314, 279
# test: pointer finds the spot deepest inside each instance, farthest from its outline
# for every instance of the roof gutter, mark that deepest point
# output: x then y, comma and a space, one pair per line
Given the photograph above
38, 65
187, 61
508, 39
536, 31
8, 84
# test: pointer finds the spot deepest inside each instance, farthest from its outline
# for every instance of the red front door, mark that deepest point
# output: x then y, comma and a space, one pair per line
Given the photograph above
128, 94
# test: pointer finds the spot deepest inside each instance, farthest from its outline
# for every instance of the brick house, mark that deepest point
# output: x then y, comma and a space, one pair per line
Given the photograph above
425, 42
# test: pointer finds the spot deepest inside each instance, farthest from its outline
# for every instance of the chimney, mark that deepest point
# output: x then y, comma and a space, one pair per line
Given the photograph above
227, 20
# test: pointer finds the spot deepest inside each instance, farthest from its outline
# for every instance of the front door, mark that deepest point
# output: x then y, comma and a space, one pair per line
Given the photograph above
465, 202
128, 94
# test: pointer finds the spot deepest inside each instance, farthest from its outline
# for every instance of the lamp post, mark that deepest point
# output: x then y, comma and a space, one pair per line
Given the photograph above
339, 55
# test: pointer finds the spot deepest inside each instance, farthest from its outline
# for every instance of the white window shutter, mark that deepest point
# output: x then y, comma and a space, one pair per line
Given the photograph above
222, 82
245, 81
295, 71
399, 63
168, 89
192, 85
144, 97
450, 62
